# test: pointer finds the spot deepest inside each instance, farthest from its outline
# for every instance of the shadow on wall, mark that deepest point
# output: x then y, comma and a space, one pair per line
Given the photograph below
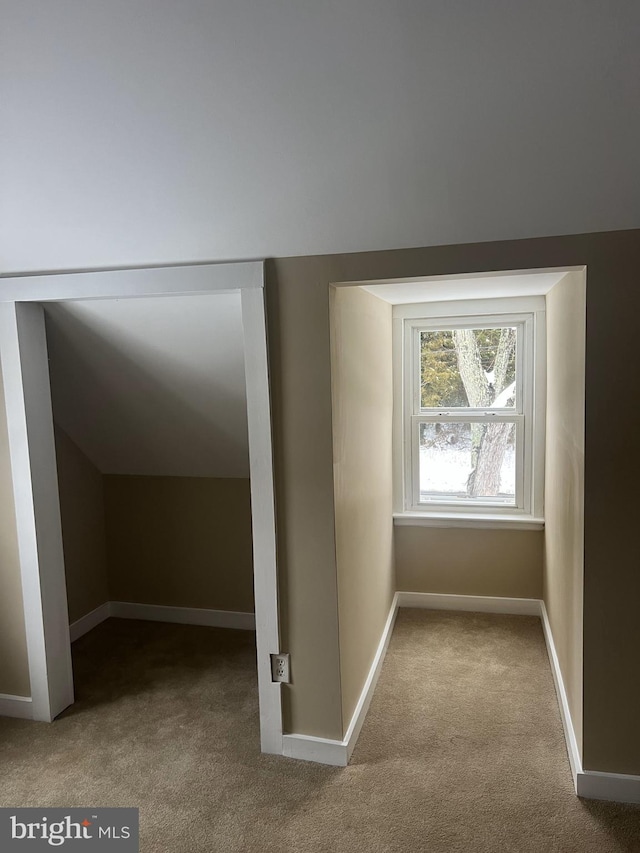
180, 541
130, 422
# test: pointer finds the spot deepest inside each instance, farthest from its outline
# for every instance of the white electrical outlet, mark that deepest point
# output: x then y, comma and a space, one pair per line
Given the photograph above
280, 668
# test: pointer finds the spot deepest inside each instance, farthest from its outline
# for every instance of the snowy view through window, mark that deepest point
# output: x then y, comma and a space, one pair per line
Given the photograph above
460, 459
446, 464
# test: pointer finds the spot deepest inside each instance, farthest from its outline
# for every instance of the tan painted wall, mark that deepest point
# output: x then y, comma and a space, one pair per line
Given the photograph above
180, 541
83, 533
298, 321
298, 305
463, 561
14, 663
362, 393
299, 345
564, 482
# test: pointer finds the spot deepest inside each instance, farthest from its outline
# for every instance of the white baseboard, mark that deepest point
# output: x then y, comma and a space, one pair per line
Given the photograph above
360, 713
470, 603
594, 785
318, 749
567, 724
590, 784
16, 706
89, 621
338, 752
183, 615
160, 613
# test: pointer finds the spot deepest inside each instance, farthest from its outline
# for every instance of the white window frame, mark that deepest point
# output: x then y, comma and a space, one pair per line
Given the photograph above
528, 316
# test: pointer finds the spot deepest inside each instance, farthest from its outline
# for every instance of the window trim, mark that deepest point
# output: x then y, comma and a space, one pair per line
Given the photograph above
528, 314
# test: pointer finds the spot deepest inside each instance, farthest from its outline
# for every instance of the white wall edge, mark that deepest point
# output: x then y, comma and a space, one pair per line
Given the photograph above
452, 276
89, 621
183, 615
318, 749
567, 724
470, 603
20, 707
469, 306
360, 713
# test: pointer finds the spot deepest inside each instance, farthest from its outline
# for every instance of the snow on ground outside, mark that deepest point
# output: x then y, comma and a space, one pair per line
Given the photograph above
446, 470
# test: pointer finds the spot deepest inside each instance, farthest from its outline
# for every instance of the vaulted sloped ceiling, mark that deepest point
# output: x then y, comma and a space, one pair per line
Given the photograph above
159, 132
152, 386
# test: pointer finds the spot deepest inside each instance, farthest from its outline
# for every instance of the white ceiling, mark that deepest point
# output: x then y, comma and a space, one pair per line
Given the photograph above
152, 386
154, 131
450, 288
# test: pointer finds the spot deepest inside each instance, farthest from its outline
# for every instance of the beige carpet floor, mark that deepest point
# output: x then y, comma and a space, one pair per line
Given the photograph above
462, 749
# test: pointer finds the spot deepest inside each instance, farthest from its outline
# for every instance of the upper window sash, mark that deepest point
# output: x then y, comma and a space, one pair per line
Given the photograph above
523, 323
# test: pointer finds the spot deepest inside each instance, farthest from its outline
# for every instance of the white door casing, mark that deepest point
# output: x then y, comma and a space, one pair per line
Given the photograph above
24, 361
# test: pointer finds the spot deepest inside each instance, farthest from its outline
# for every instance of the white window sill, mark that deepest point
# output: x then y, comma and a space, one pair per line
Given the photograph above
493, 521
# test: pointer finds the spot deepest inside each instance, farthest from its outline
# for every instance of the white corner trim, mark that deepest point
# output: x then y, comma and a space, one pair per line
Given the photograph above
89, 621
590, 784
20, 707
183, 615
360, 713
25, 374
470, 603
265, 564
567, 724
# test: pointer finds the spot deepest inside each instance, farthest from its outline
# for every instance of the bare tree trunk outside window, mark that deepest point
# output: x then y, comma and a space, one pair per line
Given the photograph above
489, 441
484, 480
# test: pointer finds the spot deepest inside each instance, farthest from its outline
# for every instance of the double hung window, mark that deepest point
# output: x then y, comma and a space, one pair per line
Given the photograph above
468, 415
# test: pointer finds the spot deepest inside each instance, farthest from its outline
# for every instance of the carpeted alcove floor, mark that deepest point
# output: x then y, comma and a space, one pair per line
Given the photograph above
462, 749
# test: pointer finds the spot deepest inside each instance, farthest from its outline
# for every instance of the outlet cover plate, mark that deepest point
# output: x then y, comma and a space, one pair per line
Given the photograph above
280, 671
